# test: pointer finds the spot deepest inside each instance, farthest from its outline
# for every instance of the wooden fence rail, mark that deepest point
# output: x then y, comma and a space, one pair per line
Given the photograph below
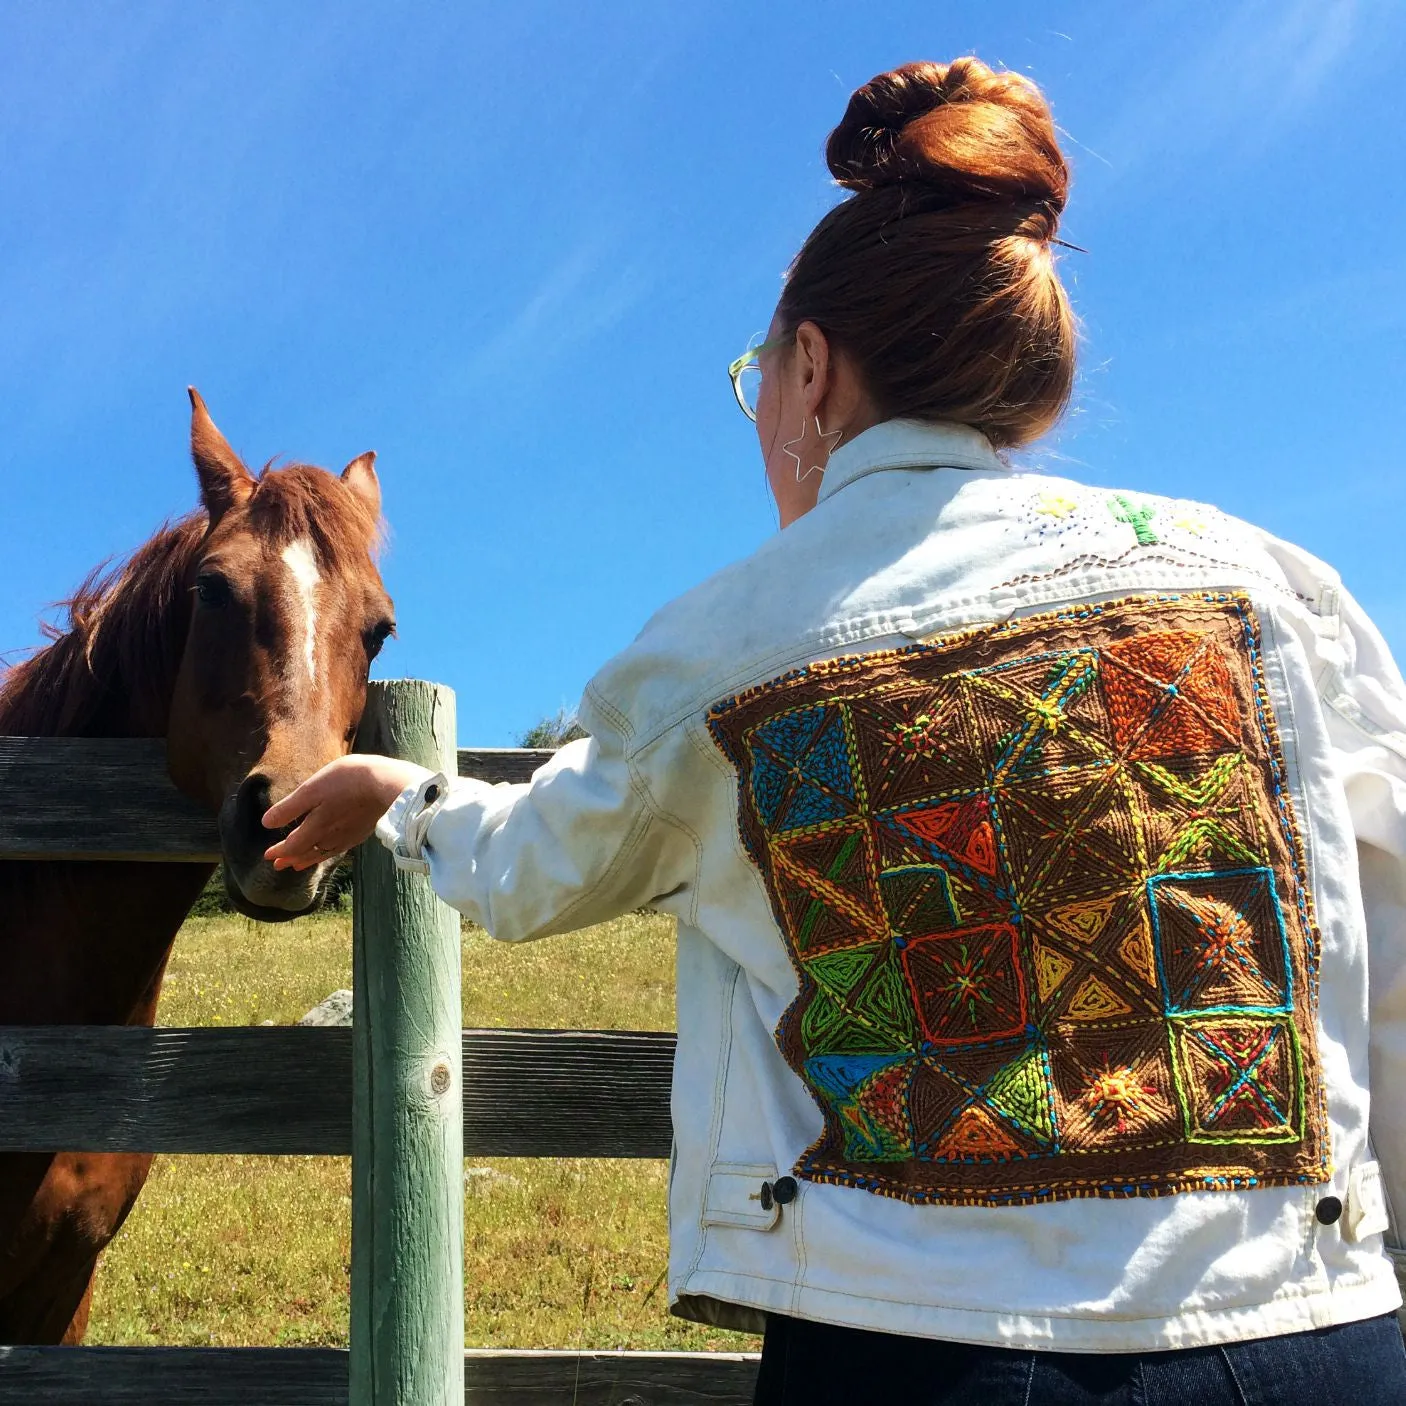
256, 1376
288, 1091
87, 798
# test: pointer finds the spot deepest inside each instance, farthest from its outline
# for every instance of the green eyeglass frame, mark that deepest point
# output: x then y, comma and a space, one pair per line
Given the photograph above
747, 360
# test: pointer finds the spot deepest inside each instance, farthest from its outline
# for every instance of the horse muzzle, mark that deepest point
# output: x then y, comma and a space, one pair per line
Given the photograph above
254, 886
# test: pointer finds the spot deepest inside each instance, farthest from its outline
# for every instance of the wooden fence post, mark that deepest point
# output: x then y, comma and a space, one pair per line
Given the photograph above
407, 1290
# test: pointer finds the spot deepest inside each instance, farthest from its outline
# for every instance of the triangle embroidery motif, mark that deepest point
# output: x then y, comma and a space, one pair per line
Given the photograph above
1136, 952
976, 1135
1050, 970
1096, 1001
960, 828
1021, 1092
1083, 921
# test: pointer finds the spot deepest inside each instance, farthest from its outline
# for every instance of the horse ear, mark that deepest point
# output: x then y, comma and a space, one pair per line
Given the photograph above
360, 477
224, 481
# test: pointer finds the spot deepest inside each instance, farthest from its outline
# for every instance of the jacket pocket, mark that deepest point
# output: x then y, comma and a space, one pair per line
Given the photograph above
735, 1196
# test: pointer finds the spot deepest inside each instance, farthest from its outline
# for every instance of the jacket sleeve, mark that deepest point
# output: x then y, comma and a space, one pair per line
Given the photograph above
1366, 714
581, 842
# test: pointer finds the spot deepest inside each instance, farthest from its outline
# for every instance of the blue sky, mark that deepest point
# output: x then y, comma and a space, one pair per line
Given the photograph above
513, 248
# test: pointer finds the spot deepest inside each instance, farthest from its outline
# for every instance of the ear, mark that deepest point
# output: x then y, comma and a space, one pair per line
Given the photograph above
812, 365
360, 477
224, 481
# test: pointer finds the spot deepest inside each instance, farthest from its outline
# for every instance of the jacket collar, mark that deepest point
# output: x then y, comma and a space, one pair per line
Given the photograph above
908, 444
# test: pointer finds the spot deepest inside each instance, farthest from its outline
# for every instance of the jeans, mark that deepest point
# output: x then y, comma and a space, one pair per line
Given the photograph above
814, 1364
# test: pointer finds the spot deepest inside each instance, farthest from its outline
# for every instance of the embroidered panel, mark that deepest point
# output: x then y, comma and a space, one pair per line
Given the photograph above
1121, 529
1045, 894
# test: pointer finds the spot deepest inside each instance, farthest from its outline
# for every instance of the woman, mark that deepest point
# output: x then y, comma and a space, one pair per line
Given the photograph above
1012, 828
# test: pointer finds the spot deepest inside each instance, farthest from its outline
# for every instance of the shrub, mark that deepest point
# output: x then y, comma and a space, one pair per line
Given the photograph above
553, 732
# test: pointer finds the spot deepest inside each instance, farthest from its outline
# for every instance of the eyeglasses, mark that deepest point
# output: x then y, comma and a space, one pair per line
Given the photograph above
746, 373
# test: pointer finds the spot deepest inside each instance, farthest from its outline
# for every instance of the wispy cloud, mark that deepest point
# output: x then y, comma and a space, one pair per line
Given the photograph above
587, 292
1260, 70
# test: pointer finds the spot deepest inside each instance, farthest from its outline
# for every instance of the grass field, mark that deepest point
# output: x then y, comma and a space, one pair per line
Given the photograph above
255, 1250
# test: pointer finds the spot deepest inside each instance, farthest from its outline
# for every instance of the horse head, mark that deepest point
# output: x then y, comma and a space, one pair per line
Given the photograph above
288, 612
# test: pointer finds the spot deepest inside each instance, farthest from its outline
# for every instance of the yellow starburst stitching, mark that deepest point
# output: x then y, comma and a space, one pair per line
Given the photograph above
1055, 505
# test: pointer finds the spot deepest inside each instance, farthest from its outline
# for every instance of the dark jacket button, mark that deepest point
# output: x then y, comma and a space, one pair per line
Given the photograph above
785, 1190
766, 1197
1328, 1210
431, 795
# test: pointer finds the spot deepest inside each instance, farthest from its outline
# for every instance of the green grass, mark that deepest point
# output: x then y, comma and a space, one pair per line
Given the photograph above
239, 1251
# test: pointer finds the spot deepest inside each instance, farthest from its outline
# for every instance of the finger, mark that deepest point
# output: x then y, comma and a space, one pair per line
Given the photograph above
301, 863
329, 783
297, 860
297, 864
305, 797
299, 850
295, 804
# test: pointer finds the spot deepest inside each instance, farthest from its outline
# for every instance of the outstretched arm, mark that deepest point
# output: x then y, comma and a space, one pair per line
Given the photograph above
584, 841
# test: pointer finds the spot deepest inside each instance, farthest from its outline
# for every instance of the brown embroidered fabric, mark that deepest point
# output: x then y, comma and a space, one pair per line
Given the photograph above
1044, 889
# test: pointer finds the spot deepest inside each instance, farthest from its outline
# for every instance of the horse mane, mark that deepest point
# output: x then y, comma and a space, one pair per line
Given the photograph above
111, 668
123, 636
294, 501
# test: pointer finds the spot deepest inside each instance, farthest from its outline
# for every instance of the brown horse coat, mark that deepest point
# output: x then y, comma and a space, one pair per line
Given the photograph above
243, 635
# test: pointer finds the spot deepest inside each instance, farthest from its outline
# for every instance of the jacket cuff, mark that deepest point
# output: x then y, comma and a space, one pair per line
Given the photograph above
405, 826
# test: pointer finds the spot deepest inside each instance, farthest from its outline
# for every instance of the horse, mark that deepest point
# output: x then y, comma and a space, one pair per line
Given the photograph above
242, 634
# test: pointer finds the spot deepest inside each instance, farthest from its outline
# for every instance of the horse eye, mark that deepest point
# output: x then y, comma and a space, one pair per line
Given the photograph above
377, 636
212, 590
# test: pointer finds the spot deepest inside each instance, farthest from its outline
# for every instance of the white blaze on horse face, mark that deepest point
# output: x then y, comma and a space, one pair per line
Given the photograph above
298, 558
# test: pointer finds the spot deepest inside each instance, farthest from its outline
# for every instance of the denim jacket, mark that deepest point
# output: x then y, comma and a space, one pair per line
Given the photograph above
1031, 845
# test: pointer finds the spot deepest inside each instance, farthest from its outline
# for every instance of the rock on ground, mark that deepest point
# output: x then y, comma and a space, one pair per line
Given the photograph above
335, 1010
478, 1180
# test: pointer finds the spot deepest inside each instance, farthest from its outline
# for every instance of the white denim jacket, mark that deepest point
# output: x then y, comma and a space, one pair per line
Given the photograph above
1031, 847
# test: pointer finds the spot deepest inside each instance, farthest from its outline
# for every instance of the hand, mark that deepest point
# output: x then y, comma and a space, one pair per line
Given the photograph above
337, 808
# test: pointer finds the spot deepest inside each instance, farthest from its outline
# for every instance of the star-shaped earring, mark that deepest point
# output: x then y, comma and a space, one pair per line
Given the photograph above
833, 436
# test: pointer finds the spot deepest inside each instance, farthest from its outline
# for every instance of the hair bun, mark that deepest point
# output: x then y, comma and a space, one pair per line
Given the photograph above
958, 129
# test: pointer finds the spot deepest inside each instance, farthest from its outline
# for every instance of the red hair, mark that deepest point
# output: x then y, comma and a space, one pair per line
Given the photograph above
936, 274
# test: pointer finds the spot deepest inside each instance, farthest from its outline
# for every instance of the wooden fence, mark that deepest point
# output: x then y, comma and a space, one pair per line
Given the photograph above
404, 1092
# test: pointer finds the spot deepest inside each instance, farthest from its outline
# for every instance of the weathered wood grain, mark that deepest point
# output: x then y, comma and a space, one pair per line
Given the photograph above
567, 1093
165, 1376
501, 763
609, 1378
112, 1088
97, 798
287, 1090
407, 1258
211, 1376
110, 798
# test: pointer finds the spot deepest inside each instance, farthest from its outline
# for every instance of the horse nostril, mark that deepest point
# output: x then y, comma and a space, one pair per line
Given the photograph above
252, 800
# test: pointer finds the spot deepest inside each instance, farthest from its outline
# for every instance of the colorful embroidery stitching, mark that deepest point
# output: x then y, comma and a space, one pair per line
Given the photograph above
1168, 531
1138, 516
1044, 891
